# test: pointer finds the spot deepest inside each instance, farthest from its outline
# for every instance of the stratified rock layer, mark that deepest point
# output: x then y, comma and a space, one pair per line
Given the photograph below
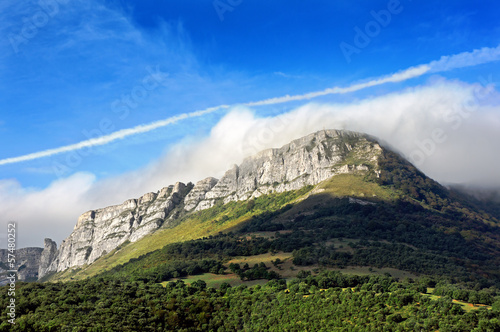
305, 161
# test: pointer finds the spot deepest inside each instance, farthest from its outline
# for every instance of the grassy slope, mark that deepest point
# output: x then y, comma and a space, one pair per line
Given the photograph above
464, 305
198, 225
355, 186
192, 228
286, 269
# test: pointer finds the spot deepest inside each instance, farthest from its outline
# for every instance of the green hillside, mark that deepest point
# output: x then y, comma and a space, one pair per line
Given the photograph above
397, 218
220, 218
412, 255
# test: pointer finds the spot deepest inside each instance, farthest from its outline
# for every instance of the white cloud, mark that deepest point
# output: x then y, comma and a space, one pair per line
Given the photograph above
446, 63
51, 212
117, 135
400, 76
406, 120
466, 59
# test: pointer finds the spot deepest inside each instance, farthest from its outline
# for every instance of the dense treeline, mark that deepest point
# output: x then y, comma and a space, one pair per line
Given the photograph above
401, 222
380, 255
165, 271
398, 172
462, 293
189, 258
209, 254
330, 301
258, 271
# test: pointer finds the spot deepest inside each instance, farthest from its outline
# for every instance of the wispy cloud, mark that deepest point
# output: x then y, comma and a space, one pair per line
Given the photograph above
397, 77
466, 59
285, 75
121, 134
446, 63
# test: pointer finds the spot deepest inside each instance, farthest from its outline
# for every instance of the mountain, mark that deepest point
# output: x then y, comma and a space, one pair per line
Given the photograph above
325, 164
332, 231
485, 198
305, 161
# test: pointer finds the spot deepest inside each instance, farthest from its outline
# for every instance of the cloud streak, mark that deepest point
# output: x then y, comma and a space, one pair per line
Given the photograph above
466, 59
117, 135
393, 78
445, 63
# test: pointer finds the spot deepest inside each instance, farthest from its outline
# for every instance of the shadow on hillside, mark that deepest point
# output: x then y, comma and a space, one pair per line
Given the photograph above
396, 234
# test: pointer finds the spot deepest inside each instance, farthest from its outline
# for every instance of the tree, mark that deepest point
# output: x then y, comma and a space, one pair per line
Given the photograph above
250, 204
473, 298
199, 285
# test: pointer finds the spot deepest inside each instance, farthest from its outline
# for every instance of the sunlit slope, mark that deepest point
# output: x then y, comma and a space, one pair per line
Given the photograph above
220, 218
223, 218
389, 179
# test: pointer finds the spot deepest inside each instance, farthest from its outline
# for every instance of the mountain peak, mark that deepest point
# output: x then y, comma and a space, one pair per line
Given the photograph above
308, 160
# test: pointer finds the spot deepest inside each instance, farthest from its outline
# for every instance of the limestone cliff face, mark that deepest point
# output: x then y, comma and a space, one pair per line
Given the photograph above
98, 232
27, 261
199, 192
47, 256
305, 161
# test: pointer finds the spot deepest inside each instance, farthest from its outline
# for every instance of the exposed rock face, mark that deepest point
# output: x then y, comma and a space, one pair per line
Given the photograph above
27, 261
48, 255
199, 192
305, 161
99, 232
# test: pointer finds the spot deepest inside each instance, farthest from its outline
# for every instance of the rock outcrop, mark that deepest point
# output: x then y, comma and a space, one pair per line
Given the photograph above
305, 161
199, 192
27, 262
98, 232
47, 256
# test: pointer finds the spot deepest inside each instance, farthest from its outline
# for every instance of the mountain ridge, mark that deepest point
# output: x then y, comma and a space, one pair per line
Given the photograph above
307, 160
100, 234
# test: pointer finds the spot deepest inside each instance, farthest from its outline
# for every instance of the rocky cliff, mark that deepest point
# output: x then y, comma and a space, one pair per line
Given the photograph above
27, 261
305, 161
47, 256
98, 232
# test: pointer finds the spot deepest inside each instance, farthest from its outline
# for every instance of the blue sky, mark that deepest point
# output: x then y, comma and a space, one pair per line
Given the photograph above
71, 71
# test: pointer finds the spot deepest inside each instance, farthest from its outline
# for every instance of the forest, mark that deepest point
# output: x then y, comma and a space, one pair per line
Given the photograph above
328, 301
